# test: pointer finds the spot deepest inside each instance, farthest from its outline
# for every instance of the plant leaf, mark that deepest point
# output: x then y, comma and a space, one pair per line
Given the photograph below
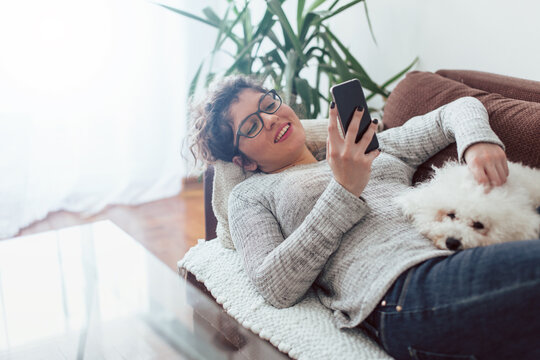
400, 74
369, 23
315, 5
299, 13
288, 73
309, 19
194, 81
212, 16
187, 14
343, 8
227, 28
241, 56
288, 32
359, 71
304, 90
333, 5
272, 36
342, 68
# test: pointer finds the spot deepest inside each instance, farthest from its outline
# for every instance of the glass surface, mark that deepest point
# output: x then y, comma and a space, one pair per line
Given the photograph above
92, 292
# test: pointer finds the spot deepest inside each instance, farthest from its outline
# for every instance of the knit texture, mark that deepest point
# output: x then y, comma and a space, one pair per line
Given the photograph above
228, 175
304, 331
300, 229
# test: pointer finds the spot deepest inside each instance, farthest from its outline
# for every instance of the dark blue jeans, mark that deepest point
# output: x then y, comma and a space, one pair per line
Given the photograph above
481, 303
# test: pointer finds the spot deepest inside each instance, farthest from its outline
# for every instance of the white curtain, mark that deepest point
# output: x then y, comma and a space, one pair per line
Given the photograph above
92, 106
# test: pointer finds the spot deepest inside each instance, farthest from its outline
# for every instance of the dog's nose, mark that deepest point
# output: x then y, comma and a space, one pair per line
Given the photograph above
453, 243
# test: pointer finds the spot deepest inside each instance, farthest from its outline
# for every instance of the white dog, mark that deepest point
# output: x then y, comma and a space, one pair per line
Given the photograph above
455, 212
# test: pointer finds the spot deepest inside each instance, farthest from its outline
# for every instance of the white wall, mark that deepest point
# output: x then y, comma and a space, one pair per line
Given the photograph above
486, 35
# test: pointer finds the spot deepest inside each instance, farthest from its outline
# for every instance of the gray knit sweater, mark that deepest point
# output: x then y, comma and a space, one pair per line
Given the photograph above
300, 228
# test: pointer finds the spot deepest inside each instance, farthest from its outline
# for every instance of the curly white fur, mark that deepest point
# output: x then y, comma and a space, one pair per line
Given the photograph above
454, 211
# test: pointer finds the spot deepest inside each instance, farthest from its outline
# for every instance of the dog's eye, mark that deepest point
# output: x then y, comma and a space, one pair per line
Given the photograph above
451, 215
478, 225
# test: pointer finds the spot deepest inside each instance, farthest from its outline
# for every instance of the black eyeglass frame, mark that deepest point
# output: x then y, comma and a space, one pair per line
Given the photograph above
239, 133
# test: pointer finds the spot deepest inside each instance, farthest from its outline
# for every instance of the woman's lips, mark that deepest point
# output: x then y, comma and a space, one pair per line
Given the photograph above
288, 130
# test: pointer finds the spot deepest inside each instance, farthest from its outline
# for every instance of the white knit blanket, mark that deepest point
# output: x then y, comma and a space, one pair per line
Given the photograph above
303, 331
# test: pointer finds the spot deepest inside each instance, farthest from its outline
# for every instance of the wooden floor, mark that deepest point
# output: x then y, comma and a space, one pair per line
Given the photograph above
167, 227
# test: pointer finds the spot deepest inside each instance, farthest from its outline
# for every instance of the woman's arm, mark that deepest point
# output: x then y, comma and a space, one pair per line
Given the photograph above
281, 269
464, 121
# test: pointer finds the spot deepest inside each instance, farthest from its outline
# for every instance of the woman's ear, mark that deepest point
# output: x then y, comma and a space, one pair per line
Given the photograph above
245, 164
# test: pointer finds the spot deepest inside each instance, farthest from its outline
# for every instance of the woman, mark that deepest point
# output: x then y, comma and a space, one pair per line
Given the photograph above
332, 226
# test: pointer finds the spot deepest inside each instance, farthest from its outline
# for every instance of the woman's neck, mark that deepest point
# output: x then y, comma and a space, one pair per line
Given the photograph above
306, 157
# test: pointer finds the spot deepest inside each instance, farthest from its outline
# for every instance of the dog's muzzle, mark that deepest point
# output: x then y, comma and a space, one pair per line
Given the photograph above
453, 244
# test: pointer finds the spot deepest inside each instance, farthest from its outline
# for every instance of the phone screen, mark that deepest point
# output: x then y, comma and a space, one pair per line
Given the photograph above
348, 96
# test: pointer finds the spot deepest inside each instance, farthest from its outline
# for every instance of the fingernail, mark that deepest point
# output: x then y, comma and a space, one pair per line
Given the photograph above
332, 105
359, 108
375, 121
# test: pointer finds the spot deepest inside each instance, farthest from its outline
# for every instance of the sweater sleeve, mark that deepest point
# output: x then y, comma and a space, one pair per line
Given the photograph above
282, 270
464, 121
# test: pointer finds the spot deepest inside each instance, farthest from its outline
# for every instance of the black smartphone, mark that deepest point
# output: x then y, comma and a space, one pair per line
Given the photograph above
348, 96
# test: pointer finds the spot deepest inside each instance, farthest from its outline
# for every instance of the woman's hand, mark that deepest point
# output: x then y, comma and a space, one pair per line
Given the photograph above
488, 164
347, 159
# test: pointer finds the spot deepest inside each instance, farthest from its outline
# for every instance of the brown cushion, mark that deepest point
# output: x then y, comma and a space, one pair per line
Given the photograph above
510, 87
516, 122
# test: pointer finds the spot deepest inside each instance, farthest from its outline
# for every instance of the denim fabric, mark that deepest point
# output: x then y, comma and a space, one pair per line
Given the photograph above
481, 303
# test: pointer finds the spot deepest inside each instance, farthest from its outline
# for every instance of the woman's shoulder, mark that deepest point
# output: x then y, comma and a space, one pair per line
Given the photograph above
253, 186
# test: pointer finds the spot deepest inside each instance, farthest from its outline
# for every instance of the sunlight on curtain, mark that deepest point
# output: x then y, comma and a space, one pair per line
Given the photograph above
92, 106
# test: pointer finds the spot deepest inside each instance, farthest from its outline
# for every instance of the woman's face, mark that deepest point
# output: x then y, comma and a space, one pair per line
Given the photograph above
271, 150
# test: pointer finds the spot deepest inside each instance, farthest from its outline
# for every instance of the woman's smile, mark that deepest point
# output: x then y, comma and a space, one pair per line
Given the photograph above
283, 132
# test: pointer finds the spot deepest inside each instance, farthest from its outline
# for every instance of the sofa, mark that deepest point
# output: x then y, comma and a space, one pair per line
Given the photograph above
514, 109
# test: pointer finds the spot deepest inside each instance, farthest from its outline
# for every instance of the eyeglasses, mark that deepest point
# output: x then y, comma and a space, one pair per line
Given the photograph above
253, 124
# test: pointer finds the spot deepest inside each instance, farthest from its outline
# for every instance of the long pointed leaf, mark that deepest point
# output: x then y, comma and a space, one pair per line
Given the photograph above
288, 73
187, 14
227, 29
342, 67
369, 23
367, 82
273, 37
315, 5
400, 74
343, 8
304, 90
276, 58
288, 32
240, 56
266, 24
194, 82
299, 14
308, 20
212, 16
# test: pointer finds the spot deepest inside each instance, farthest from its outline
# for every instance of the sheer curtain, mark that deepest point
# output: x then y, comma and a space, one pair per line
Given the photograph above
92, 106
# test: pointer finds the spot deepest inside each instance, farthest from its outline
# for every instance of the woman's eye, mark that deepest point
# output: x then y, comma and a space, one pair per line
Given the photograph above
270, 107
451, 215
252, 129
478, 225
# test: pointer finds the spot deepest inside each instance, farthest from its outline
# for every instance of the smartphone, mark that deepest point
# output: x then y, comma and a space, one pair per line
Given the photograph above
348, 96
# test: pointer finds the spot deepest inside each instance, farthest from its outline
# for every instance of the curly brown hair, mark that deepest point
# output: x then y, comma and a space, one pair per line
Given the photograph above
211, 134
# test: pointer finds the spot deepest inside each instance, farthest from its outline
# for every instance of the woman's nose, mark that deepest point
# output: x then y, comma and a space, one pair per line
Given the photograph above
269, 120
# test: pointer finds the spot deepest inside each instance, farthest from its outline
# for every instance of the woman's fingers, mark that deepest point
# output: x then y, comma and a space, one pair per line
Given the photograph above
493, 175
333, 132
479, 174
367, 137
350, 137
373, 154
502, 169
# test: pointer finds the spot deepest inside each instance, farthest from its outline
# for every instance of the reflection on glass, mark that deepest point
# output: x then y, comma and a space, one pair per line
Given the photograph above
92, 292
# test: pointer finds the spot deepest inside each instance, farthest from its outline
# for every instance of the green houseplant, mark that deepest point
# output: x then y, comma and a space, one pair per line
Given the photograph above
280, 54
